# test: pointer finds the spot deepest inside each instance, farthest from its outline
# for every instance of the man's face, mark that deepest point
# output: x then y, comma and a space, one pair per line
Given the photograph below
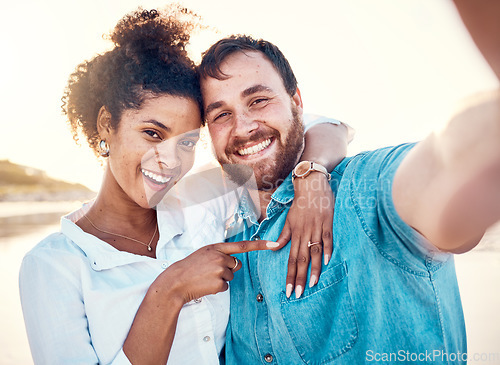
252, 120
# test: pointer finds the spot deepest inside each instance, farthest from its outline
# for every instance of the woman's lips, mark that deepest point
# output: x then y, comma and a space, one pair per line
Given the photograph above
156, 181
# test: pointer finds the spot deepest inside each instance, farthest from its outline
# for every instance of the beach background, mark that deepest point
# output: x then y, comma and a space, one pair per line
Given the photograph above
393, 69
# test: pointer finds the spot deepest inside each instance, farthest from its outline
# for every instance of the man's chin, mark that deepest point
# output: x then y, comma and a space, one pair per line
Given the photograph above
240, 174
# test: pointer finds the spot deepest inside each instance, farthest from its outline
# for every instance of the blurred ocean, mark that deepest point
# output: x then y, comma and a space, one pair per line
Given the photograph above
23, 224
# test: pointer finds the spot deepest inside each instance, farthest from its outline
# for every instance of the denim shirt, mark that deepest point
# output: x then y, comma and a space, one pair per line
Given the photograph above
386, 296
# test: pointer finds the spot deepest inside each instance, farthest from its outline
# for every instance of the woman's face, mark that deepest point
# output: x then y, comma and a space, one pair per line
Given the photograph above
153, 147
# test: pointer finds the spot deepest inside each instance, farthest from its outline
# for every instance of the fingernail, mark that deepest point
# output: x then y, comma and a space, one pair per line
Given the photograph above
313, 281
298, 291
327, 259
289, 288
271, 244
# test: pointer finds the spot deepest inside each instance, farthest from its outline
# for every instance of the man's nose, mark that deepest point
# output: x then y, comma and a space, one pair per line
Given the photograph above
244, 125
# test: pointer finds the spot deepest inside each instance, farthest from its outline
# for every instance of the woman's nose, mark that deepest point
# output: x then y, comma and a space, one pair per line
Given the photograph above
166, 155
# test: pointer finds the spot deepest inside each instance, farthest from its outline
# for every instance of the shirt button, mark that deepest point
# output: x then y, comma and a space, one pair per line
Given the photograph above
260, 297
198, 300
256, 238
268, 358
164, 265
206, 338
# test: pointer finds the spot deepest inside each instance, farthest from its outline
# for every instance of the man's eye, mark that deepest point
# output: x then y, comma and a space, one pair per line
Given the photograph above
187, 145
220, 117
259, 101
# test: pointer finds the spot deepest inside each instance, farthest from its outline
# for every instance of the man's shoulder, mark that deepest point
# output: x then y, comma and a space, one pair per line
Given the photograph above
372, 161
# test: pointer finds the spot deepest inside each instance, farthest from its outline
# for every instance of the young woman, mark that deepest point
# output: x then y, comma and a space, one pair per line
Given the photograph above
124, 283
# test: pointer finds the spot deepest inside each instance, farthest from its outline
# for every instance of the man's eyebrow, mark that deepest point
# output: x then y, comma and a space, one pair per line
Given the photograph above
255, 89
249, 91
159, 125
213, 106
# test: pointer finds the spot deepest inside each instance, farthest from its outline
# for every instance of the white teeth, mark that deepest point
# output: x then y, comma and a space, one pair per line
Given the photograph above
158, 178
255, 149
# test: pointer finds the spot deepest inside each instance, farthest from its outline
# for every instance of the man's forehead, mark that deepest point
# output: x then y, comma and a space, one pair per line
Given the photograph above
244, 67
245, 61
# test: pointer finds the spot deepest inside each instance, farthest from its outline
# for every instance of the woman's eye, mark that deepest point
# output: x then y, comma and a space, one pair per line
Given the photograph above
187, 145
152, 134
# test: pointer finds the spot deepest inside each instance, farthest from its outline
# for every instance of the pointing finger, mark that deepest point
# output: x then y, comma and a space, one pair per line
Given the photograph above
231, 248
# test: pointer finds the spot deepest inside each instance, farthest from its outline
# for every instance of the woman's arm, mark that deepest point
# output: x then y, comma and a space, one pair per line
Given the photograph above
310, 218
206, 271
326, 143
55, 308
54, 311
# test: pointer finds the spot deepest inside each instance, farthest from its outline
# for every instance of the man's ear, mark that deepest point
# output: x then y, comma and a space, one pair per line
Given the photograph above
297, 99
104, 127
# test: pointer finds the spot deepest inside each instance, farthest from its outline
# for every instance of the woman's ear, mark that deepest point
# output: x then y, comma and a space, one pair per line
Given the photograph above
104, 127
297, 99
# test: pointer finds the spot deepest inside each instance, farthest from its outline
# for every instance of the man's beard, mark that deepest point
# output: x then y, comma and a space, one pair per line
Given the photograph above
269, 173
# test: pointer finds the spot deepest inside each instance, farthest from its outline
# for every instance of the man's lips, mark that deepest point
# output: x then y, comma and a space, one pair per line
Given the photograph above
256, 148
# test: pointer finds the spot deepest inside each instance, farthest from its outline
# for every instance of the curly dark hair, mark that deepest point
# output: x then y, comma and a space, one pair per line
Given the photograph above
149, 57
219, 51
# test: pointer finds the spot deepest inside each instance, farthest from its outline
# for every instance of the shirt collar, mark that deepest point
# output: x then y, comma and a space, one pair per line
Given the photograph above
281, 197
103, 256
285, 192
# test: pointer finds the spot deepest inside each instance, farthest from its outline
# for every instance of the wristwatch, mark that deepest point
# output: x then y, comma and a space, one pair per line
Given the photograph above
304, 168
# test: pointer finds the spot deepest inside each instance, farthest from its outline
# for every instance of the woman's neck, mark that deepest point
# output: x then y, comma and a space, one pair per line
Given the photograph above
115, 206
115, 215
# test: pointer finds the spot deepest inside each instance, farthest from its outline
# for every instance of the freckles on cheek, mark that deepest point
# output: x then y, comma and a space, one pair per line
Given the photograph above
218, 136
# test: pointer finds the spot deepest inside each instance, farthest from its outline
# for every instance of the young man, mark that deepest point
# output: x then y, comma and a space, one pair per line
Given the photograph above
389, 291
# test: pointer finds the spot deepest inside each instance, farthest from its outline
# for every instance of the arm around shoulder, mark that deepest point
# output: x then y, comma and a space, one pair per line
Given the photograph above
326, 143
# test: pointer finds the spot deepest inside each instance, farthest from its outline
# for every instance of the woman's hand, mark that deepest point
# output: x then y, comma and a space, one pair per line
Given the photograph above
309, 225
208, 270
309, 221
204, 272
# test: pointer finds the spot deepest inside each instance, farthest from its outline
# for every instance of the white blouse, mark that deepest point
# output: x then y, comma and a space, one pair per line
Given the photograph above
80, 295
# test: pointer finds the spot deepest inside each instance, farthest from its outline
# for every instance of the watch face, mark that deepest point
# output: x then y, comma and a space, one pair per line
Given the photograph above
302, 168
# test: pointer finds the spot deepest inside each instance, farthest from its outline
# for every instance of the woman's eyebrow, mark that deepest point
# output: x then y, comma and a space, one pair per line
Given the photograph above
158, 124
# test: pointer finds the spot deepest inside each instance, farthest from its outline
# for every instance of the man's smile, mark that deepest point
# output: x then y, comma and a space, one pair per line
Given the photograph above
256, 148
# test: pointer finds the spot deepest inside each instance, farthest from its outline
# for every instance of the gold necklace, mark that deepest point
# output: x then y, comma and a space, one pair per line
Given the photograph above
148, 245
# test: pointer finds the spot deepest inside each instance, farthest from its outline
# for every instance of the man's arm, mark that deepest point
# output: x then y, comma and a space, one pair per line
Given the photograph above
482, 19
448, 186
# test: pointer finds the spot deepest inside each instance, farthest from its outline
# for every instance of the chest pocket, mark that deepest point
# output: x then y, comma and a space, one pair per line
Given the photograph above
322, 323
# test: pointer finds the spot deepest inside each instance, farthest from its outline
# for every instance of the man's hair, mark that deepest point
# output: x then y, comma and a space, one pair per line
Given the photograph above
217, 53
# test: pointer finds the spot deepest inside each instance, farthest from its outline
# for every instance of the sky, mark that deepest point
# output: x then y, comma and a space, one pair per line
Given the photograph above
393, 69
